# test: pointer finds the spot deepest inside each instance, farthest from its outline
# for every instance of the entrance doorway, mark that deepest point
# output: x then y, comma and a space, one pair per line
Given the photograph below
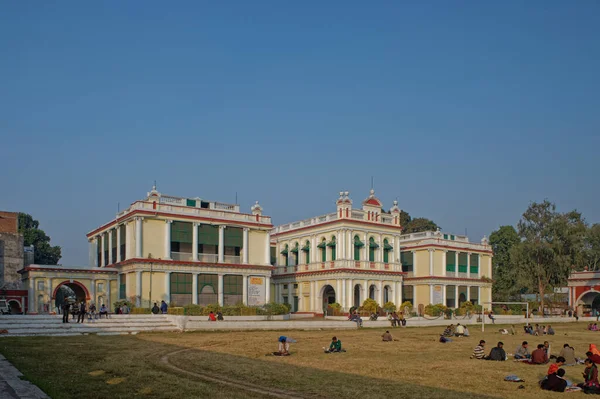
328, 297
357, 297
69, 291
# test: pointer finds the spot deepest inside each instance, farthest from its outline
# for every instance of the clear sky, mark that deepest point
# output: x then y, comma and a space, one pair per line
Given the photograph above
464, 110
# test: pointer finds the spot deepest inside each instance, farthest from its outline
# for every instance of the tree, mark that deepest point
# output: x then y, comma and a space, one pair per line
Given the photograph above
417, 225
44, 254
550, 244
504, 272
590, 255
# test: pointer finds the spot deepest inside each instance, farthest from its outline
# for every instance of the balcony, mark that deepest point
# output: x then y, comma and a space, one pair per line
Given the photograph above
218, 211
206, 258
232, 259
337, 264
182, 256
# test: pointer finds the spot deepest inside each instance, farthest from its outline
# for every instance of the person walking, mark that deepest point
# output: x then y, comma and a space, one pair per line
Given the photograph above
66, 307
82, 312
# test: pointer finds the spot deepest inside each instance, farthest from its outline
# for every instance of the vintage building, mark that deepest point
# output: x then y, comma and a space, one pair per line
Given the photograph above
193, 251
584, 292
351, 254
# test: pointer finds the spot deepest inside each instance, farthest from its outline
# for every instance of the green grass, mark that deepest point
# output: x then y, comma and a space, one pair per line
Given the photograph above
415, 366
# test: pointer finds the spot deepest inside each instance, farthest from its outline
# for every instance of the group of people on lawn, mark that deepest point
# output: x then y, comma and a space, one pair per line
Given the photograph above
284, 346
81, 310
538, 330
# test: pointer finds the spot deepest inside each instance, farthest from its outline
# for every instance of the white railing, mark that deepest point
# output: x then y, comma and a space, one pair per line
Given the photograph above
208, 258
410, 274
338, 264
450, 274
232, 259
202, 212
224, 207
463, 275
181, 256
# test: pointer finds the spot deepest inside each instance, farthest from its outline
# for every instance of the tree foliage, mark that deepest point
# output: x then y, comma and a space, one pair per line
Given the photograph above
44, 254
590, 254
550, 246
505, 275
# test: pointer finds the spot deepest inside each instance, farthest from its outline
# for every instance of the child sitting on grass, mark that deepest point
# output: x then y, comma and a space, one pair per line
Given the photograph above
335, 346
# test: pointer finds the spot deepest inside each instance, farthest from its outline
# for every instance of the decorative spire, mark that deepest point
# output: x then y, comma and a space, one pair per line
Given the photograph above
484, 240
154, 192
256, 209
395, 207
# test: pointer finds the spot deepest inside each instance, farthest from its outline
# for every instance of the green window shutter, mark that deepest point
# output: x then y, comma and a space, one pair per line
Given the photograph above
356, 253
474, 260
474, 269
211, 280
452, 237
181, 232
450, 268
232, 285
307, 259
233, 237
386, 256
445, 236
406, 258
190, 202
333, 253
208, 235
323, 255
371, 254
181, 283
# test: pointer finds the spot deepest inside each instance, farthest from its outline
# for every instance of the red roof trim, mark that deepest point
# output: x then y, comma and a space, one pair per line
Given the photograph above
337, 221
188, 217
442, 278
373, 201
190, 263
407, 247
60, 269
346, 270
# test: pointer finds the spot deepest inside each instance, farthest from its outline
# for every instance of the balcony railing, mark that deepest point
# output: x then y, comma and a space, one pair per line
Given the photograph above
208, 258
182, 256
463, 275
218, 211
338, 264
232, 259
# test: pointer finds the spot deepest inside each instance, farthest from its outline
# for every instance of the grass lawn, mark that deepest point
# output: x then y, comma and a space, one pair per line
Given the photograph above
416, 366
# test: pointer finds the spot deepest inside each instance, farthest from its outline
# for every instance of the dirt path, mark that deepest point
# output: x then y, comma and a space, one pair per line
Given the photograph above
276, 393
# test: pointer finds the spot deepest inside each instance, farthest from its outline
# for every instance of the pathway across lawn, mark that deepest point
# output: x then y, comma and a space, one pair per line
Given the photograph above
237, 364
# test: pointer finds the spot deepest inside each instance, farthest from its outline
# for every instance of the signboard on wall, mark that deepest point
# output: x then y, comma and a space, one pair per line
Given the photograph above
437, 295
256, 291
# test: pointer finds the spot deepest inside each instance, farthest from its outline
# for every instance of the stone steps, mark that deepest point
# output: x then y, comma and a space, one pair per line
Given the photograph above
73, 332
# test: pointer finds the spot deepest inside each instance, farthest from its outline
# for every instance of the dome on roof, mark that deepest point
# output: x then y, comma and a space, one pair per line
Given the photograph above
372, 200
154, 192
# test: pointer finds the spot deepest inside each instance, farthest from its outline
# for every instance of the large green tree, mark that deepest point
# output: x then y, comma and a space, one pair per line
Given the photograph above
45, 254
417, 225
590, 255
550, 245
504, 272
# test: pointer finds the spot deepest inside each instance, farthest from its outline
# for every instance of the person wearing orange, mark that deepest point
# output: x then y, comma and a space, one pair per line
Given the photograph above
555, 366
594, 349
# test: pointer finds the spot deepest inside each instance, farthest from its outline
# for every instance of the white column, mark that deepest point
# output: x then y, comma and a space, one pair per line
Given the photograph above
268, 250
456, 267
220, 289
291, 295
380, 293
312, 296
444, 294
399, 294
167, 254
365, 290
430, 294
221, 243
468, 293
397, 251
245, 290
138, 237
128, 251
194, 242
456, 295
414, 256
343, 299
469, 264
49, 288
119, 244
444, 263
342, 254
167, 287
245, 244
350, 291
93, 251
479, 266
379, 252
490, 271
313, 250
102, 257
338, 292
479, 296
431, 262
138, 288
415, 301
108, 302
267, 289
31, 297
300, 297
110, 257
195, 288
366, 248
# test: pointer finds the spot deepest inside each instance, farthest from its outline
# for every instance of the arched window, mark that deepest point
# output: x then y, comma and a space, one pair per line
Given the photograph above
372, 247
323, 248
285, 255
387, 248
358, 244
331, 244
296, 260
306, 250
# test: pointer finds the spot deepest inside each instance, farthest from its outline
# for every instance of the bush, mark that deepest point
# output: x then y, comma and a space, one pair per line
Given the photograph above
275, 309
389, 307
140, 311
448, 312
193, 310
406, 305
178, 311
334, 309
435, 310
122, 302
370, 305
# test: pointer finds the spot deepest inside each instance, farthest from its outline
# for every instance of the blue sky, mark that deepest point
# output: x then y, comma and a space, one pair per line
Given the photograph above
464, 110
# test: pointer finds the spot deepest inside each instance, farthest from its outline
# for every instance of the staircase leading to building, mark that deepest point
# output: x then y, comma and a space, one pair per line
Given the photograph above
52, 325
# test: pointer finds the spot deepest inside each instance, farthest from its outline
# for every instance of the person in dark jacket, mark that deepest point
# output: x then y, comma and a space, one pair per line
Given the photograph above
498, 353
82, 312
555, 382
155, 309
163, 307
65, 308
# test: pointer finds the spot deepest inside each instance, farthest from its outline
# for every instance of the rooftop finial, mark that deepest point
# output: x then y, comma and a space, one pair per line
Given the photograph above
154, 186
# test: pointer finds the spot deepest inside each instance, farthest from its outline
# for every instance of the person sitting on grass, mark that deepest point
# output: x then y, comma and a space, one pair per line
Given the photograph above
478, 352
547, 350
522, 351
335, 346
560, 361
568, 353
555, 382
593, 357
284, 346
443, 339
460, 330
539, 355
447, 332
466, 334
387, 337
590, 375
498, 353
550, 330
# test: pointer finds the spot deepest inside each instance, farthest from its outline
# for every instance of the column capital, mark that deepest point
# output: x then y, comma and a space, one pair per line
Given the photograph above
222, 227
469, 253
139, 218
168, 221
431, 249
196, 224
246, 229
196, 273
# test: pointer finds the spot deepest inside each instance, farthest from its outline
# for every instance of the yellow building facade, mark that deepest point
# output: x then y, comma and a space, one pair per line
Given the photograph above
192, 251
